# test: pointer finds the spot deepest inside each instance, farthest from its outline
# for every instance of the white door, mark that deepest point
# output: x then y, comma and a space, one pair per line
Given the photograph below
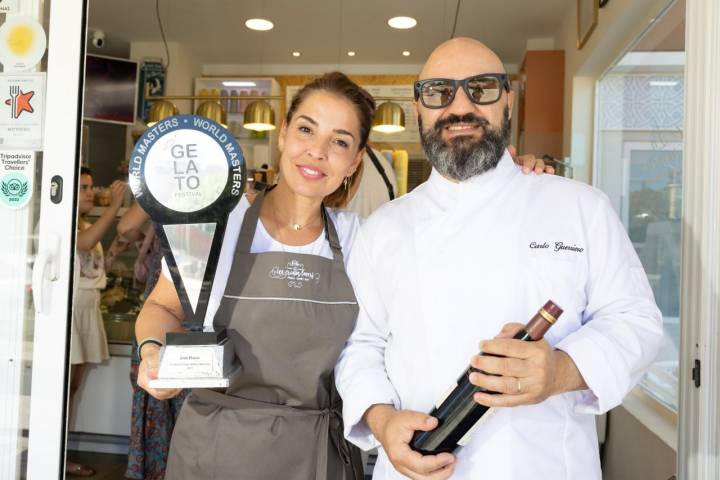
39, 138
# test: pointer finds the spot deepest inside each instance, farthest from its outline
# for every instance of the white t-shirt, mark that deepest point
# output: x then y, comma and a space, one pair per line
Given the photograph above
372, 191
91, 265
346, 224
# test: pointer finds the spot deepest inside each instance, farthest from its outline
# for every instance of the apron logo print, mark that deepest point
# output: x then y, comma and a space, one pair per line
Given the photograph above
294, 272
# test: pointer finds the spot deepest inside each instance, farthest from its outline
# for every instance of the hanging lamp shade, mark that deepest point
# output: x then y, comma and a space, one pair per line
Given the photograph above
259, 116
160, 110
214, 111
389, 118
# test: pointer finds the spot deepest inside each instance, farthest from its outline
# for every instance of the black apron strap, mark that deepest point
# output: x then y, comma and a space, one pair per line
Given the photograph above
247, 230
349, 453
381, 170
331, 235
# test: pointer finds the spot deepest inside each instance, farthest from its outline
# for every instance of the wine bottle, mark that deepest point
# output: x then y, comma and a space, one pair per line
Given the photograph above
458, 413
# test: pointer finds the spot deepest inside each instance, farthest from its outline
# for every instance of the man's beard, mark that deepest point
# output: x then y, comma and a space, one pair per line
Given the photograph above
464, 157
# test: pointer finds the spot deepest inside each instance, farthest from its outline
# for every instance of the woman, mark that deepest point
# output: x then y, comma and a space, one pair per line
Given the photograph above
88, 342
287, 334
281, 416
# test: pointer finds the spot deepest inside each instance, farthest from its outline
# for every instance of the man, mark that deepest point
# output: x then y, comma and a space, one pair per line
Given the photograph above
476, 249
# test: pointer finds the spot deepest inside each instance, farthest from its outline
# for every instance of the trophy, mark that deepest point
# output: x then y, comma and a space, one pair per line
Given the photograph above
188, 172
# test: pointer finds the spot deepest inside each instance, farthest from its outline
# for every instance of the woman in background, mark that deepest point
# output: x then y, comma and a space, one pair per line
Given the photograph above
88, 340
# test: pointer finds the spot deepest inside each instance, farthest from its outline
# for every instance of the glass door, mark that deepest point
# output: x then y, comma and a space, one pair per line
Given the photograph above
41, 48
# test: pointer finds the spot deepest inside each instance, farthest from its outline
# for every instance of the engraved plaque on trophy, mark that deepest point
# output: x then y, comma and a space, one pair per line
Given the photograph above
188, 173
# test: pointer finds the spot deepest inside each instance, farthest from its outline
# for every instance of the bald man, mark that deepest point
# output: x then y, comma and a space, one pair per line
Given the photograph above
458, 265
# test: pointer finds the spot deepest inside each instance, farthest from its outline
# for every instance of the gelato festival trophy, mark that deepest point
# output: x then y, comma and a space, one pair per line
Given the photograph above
188, 173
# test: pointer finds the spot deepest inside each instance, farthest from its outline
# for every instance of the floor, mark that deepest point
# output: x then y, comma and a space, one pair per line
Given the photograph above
107, 465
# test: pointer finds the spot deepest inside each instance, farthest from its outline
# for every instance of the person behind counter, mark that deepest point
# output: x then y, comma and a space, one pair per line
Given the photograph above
88, 340
482, 246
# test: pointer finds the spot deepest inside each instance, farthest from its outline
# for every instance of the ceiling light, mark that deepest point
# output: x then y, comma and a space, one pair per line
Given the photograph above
259, 116
402, 23
389, 118
663, 83
237, 83
214, 111
406, 53
296, 54
259, 24
351, 53
160, 110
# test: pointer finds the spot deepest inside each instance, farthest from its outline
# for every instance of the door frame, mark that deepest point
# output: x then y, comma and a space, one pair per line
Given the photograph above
53, 274
699, 432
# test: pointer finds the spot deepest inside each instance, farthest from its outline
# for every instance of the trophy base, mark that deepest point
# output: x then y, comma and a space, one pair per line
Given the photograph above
222, 382
185, 364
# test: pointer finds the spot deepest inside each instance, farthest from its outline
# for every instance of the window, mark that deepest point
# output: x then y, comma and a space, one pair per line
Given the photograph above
639, 130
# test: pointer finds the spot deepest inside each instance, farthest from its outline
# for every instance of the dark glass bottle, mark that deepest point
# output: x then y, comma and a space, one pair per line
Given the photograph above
458, 412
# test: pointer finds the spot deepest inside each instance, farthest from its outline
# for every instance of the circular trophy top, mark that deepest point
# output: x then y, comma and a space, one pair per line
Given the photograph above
187, 169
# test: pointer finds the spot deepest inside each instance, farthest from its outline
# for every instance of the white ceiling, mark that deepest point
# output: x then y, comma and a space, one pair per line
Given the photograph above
324, 30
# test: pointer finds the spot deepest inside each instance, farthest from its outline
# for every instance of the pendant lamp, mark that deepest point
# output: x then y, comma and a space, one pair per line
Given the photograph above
259, 116
389, 118
214, 111
160, 110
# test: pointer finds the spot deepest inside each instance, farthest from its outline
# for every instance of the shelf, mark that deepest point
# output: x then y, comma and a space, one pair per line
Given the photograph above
97, 211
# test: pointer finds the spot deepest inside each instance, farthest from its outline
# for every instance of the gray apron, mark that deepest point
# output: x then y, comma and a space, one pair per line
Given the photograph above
288, 316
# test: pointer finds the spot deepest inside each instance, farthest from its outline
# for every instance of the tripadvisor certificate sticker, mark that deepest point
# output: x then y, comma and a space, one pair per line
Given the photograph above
16, 178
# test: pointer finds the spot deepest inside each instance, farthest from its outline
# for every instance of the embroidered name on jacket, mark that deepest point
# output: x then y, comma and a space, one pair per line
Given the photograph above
555, 247
295, 274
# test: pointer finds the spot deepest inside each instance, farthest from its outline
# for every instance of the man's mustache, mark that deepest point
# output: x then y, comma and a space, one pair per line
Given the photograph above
467, 118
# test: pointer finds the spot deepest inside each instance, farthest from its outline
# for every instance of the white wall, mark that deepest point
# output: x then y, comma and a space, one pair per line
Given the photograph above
620, 23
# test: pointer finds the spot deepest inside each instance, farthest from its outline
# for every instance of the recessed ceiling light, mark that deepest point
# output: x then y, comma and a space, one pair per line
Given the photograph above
406, 53
663, 83
296, 54
351, 53
259, 24
402, 23
237, 83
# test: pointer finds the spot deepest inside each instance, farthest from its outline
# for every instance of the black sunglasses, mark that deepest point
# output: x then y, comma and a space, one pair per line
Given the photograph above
482, 89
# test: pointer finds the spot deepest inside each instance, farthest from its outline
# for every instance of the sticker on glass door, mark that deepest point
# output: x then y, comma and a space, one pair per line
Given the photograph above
16, 178
9, 6
22, 44
21, 110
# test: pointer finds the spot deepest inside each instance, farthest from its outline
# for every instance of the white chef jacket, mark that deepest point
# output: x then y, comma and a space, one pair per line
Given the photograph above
447, 265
